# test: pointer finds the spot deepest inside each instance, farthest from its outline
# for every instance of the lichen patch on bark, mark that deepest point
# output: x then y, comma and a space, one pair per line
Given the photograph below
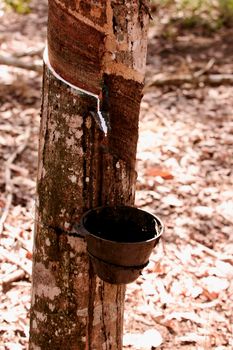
78, 245
82, 312
45, 284
41, 317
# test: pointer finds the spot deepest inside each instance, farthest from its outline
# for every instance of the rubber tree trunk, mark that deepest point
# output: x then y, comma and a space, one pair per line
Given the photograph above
100, 48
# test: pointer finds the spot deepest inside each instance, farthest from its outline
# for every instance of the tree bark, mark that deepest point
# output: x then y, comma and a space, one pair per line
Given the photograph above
100, 48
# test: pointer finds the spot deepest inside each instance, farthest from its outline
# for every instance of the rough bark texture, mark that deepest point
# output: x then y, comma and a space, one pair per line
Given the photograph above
94, 46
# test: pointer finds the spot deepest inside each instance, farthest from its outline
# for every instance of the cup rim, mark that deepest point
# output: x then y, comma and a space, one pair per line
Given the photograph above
155, 217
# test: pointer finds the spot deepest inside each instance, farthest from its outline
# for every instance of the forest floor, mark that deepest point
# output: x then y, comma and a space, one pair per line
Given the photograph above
184, 298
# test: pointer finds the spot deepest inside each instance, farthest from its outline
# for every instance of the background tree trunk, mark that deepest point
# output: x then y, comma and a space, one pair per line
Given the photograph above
99, 47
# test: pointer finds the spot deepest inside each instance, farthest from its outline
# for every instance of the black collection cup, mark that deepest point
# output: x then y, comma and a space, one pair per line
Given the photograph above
120, 240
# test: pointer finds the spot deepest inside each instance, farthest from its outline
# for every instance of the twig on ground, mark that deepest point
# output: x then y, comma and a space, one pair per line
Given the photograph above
19, 63
19, 169
8, 182
30, 52
204, 70
211, 252
12, 277
162, 79
6, 211
17, 237
13, 259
